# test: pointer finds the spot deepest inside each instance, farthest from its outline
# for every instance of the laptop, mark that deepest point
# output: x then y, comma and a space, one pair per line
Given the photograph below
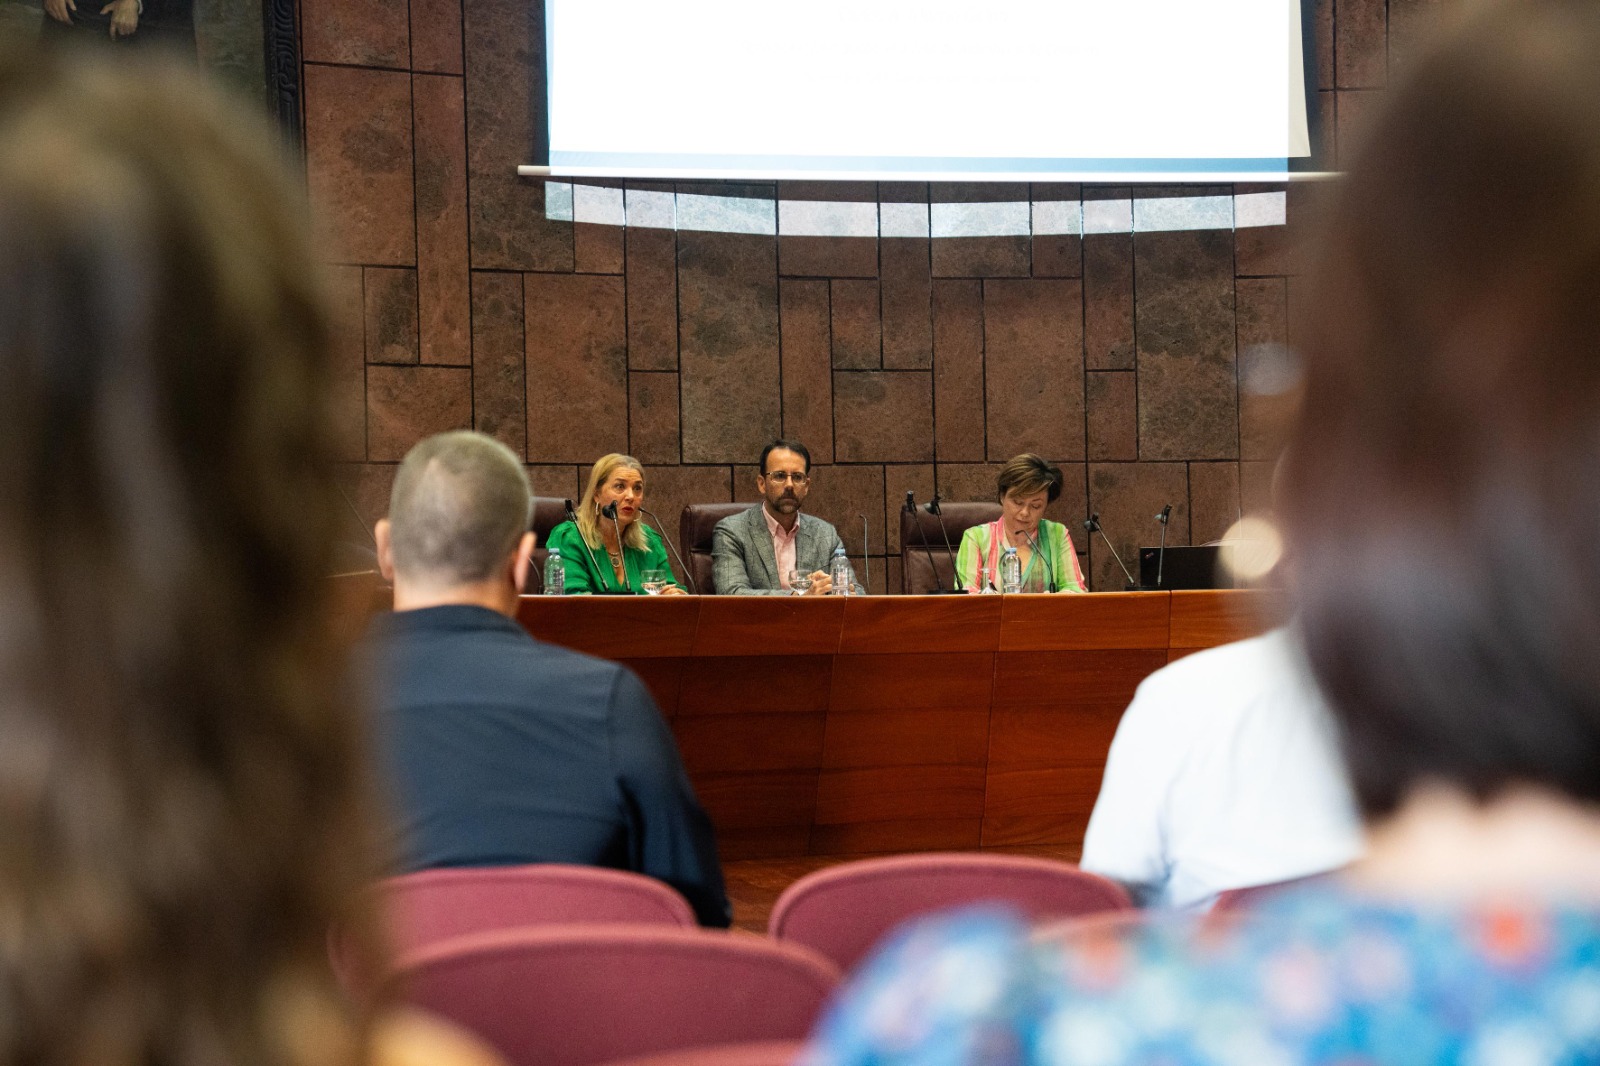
1185, 567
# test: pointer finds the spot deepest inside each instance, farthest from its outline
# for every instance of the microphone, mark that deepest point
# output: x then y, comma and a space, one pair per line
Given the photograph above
688, 576
1093, 526
1050, 571
955, 573
911, 506
866, 559
1161, 556
610, 511
572, 516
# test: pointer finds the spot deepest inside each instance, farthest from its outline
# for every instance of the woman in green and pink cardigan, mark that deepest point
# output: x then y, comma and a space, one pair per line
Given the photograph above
1028, 484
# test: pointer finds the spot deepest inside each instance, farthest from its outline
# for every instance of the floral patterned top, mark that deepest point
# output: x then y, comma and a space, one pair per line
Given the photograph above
1320, 977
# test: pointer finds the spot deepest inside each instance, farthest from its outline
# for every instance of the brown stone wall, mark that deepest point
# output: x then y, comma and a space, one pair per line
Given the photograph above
914, 363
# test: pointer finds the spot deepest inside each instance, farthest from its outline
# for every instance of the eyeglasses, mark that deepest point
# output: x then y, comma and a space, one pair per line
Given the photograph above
784, 477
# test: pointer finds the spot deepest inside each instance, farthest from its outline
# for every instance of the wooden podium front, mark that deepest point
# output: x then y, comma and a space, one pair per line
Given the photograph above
894, 723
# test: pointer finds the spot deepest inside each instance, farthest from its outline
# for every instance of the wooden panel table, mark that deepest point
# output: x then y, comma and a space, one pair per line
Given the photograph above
893, 723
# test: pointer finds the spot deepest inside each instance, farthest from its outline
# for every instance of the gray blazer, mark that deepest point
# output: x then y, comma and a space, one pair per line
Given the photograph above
742, 563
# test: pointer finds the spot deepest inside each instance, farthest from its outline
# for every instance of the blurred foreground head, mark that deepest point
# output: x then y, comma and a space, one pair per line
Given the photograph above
179, 811
1443, 490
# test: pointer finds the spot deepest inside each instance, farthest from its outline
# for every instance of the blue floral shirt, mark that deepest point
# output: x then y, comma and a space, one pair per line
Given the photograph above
1318, 977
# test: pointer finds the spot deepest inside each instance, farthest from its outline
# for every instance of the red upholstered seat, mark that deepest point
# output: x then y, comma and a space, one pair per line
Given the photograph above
584, 995
429, 906
841, 912
1241, 899
432, 905
760, 1053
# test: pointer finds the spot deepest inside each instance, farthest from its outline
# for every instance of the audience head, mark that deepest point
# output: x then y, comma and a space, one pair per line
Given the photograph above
1443, 491
1027, 485
785, 476
184, 813
458, 520
617, 479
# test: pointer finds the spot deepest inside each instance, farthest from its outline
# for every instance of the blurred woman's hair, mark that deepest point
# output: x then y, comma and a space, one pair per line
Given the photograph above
182, 804
1028, 475
588, 511
1443, 489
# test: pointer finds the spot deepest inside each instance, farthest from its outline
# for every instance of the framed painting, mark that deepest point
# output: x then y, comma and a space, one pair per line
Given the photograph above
250, 45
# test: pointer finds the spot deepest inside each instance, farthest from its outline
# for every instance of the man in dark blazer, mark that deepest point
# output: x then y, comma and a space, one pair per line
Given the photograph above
501, 749
754, 552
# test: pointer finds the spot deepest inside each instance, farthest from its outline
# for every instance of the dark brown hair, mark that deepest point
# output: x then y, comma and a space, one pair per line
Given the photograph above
787, 445
1027, 474
181, 806
1442, 494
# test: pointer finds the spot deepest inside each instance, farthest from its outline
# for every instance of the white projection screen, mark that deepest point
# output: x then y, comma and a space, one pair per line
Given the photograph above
1077, 90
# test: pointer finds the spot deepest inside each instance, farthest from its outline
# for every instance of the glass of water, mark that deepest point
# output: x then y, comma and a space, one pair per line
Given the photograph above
799, 583
654, 581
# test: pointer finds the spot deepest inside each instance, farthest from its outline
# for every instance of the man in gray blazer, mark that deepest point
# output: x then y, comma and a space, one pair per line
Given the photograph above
754, 551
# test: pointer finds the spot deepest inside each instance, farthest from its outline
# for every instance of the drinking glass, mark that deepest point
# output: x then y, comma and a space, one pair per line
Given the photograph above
799, 583
654, 580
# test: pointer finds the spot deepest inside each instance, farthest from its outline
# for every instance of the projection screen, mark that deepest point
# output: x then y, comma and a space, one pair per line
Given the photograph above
1077, 90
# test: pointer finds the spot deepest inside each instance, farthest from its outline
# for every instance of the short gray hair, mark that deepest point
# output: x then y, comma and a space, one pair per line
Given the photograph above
461, 501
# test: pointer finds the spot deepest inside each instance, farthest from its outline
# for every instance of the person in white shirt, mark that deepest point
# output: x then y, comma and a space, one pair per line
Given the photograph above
1224, 774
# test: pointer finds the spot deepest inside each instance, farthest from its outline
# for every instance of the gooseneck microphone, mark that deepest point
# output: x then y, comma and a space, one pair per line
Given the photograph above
927, 549
1161, 556
610, 511
572, 516
1049, 570
934, 509
866, 558
687, 575
1093, 526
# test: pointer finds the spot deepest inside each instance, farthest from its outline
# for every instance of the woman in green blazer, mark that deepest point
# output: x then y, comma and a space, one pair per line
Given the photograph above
602, 555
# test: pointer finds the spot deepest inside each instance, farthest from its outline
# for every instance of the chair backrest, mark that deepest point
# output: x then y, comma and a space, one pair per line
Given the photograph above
548, 513
842, 911
431, 906
1090, 929
1242, 899
582, 995
759, 1053
694, 533
925, 564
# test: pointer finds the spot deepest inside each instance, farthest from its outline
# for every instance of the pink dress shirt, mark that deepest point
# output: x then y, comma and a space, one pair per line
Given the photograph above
782, 544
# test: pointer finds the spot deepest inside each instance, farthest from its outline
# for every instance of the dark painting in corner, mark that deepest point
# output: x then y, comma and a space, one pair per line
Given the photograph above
248, 45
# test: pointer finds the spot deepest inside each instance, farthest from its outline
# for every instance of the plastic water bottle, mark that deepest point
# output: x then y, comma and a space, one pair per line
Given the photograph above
555, 574
1010, 571
984, 586
839, 571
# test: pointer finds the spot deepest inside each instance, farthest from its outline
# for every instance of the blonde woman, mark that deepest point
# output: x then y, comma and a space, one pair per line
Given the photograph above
609, 549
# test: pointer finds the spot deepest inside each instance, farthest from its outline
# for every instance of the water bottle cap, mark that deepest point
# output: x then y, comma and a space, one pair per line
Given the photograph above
555, 553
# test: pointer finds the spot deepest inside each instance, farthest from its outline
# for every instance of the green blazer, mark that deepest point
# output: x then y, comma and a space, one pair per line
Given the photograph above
581, 574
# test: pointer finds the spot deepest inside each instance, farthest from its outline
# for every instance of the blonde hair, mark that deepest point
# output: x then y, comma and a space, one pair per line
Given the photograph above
589, 513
